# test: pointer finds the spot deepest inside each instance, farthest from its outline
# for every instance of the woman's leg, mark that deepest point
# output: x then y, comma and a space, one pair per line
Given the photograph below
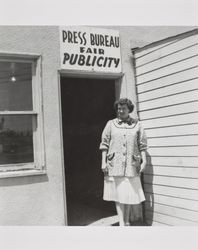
120, 212
127, 214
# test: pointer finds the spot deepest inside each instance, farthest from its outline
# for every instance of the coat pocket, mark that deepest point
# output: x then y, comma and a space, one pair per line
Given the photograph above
115, 164
110, 156
110, 160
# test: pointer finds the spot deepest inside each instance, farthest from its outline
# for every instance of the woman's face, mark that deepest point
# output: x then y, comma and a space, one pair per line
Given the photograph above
123, 111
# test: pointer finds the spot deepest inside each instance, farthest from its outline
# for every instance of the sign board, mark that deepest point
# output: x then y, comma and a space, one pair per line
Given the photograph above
90, 49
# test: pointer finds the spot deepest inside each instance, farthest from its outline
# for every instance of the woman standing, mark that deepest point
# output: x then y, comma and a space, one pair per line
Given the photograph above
123, 148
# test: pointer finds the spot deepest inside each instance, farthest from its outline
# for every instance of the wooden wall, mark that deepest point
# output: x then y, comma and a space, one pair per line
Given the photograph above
167, 90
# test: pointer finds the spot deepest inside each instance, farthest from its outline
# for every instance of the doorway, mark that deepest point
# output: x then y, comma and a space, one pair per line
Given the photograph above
87, 104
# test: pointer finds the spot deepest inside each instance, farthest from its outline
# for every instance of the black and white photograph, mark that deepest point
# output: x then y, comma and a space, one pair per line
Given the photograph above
99, 126
105, 119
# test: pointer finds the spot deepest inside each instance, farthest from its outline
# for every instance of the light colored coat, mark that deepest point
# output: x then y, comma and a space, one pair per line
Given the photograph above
123, 143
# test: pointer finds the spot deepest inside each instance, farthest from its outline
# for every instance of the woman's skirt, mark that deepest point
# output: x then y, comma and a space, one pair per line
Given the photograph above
126, 190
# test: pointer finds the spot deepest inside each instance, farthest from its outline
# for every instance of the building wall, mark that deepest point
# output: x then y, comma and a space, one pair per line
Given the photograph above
167, 75
39, 200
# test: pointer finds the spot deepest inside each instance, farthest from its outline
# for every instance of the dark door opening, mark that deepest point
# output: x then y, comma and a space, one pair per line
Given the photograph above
87, 104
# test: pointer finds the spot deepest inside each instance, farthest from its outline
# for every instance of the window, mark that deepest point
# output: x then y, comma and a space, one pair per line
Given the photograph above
21, 135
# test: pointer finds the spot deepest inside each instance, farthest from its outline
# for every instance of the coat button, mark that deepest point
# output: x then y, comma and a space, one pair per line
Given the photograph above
123, 153
124, 144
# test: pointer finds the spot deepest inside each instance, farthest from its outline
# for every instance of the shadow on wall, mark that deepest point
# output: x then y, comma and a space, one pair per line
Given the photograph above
24, 180
142, 214
136, 215
147, 183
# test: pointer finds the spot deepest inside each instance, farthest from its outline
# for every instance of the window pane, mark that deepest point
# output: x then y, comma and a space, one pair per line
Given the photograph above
16, 139
15, 86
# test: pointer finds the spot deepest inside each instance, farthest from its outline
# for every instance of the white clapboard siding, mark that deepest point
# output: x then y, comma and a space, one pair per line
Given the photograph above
169, 90
142, 52
191, 205
169, 220
172, 211
162, 58
172, 131
167, 93
171, 69
164, 49
181, 161
183, 76
173, 141
173, 151
181, 193
170, 121
184, 172
172, 181
169, 100
165, 61
170, 110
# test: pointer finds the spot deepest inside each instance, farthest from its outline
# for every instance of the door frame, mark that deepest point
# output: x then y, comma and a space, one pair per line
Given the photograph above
80, 74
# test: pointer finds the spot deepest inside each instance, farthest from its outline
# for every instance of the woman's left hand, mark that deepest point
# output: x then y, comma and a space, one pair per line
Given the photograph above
142, 167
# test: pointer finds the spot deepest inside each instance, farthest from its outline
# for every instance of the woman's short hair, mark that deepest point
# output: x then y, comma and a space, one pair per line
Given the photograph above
124, 101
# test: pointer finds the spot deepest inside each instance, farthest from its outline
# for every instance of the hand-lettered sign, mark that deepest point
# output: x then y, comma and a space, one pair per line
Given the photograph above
90, 49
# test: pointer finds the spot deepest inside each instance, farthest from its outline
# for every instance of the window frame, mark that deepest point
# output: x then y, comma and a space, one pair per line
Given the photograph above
38, 166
